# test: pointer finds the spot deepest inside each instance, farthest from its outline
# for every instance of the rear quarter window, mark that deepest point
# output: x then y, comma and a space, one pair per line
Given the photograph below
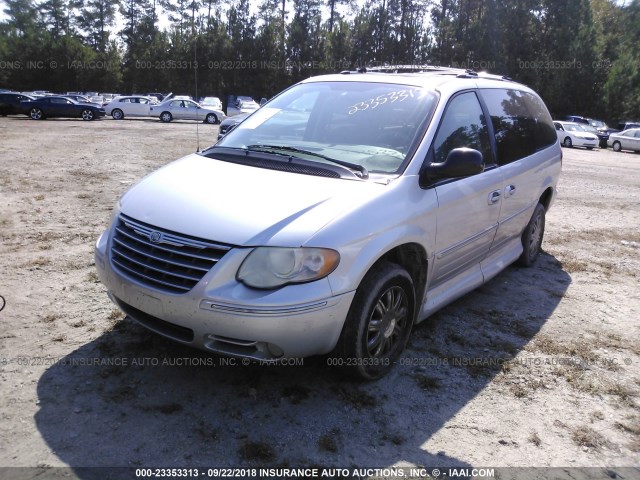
521, 123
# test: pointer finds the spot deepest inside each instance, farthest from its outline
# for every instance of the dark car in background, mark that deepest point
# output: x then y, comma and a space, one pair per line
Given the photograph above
54, 106
10, 103
230, 123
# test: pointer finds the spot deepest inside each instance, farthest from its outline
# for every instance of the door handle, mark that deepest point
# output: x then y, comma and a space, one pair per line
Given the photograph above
509, 190
494, 197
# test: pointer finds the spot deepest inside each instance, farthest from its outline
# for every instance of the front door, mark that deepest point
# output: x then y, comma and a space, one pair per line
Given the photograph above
468, 208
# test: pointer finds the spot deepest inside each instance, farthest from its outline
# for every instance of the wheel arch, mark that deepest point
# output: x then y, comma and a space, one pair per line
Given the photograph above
546, 198
413, 258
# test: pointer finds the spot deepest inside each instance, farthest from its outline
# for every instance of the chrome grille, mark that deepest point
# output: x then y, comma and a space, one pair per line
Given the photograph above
160, 258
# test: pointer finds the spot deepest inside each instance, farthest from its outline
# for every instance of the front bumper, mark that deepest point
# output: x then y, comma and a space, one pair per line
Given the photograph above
223, 316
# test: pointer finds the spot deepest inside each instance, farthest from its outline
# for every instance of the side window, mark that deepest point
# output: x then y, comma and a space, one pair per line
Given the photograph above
521, 123
543, 133
463, 125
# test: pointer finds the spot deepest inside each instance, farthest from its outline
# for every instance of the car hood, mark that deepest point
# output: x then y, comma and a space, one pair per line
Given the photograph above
242, 205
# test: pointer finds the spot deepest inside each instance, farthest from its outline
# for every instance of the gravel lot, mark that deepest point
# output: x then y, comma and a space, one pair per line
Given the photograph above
540, 367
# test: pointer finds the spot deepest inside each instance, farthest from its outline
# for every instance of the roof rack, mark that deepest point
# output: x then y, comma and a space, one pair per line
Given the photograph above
458, 72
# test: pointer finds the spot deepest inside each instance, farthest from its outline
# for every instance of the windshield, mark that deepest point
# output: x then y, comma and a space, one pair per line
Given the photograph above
370, 125
574, 128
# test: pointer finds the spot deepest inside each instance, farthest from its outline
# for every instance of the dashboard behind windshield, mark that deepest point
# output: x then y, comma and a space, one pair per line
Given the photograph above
374, 125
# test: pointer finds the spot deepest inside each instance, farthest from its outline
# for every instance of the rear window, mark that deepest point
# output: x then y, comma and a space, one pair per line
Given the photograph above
521, 123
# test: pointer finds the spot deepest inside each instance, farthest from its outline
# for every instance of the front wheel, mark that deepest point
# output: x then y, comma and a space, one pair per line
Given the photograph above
211, 119
532, 237
567, 142
166, 117
617, 146
87, 114
117, 114
36, 114
379, 322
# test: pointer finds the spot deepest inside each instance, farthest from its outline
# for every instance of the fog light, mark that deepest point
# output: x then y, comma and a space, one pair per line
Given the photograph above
275, 350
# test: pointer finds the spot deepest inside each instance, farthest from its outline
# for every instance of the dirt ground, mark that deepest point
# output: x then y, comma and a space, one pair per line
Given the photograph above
540, 367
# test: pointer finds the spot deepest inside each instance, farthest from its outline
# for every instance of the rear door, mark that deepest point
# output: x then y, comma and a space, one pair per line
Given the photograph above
635, 141
523, 132
468, 208
192, 111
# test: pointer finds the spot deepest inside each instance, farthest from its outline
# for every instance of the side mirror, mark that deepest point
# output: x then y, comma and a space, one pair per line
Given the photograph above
461, 162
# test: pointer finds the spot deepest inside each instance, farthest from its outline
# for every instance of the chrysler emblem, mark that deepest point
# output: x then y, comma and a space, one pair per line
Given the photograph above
155, 237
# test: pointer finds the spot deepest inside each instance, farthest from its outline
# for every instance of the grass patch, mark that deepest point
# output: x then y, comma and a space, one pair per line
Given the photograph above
116, 315
356, 397
38, 262
425, 382
535, 439
587, 437
257, 451
165, 409
574, 265
50, 318
295, 393
327, 443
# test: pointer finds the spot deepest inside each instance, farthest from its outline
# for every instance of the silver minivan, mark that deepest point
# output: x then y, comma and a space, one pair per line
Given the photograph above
347, 209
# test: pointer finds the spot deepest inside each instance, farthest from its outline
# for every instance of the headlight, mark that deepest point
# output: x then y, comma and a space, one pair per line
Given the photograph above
273, 267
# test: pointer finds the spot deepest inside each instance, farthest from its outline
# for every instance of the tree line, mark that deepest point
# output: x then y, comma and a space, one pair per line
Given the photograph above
582, 56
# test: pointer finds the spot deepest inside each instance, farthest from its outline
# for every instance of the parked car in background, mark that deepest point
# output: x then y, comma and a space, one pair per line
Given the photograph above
158, 96
603, 129
10, 103
107, 97
572, 134
237, 105
213, 102
602, 136
129, 106
80, 98
230, 123
183, 109
627, 125
576, 119
337, 227
626, 140
54, 106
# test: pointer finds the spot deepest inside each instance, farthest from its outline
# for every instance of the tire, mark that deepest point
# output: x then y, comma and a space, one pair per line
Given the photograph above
117, 114
36, 114
211, 119
532, 237
589, 148
567, 142
379, 322
617, 146
88, 115
166, 117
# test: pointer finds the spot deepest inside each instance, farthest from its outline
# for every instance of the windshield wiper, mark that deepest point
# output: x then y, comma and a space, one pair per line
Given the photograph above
363, 173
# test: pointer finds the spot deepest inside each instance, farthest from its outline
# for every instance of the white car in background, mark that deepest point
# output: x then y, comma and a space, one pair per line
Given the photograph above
241, 105
129, 106
575, 135
212, 102
627, 140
